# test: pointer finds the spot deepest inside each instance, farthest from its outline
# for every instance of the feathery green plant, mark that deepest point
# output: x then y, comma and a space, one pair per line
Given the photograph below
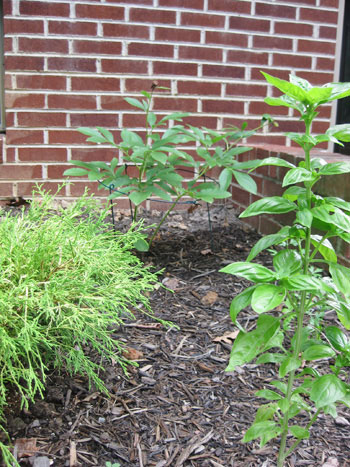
67, 280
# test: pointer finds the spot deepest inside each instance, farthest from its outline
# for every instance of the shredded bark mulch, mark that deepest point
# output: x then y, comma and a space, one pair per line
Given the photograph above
178, 407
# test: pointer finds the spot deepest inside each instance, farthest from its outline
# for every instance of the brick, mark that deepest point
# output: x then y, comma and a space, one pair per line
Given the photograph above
71, 64
202, 19
138, 67
9, 119
71, 102
7, 7
8, 45
175, 68
125, 30
26, 189
249, 90
93, 154
229, 6
24, 100
6, 190
319, 78
242, 56
70, 136
195, 4
72, 28
41, 82
295, 61
97, 47
221, 106
249, 24
277, 11
93, 120
222, 71
44, 9
271, 42
10, 155
20, 172
23, 26
151, 49
78, 189
158, 16
200, 53
56, 172
132, 120
329, 3
42, 154
294, 29
237, 123
41, 119
22, 63
144, 84
177, 35
256, 74
95, 84
201, 120
20, 136
99, 11
327, 32
260, 108
116, 103
325, 63
175, 104
199, 88
316, 47
26, 44
316, 15
226, 38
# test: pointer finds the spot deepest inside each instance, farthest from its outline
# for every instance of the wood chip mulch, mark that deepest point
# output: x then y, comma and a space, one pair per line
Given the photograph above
178, 407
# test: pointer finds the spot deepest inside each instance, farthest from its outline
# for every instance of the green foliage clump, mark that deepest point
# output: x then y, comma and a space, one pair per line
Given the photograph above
66, 281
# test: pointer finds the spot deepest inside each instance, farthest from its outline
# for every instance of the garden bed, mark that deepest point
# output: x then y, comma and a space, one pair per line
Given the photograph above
179, 407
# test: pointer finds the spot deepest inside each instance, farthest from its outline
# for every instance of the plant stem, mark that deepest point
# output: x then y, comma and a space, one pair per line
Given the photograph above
164, 219
282, 454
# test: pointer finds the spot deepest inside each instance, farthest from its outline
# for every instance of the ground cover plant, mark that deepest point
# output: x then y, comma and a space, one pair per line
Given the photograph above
165, 169
67, 280
292, 291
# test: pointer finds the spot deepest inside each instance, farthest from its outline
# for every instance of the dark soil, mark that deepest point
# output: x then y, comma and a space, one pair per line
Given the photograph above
178, 407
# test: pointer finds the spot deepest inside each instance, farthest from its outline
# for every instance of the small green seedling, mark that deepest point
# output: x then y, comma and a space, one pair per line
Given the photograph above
292, 291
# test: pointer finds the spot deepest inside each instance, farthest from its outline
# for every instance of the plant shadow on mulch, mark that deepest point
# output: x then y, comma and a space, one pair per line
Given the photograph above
178, 407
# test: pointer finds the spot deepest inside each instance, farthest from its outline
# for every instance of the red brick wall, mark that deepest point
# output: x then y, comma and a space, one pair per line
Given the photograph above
70, 64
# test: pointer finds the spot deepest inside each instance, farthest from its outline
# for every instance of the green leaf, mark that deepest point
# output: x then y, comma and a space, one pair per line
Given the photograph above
248, 345
269, 358
141, 245
225, 179
338, 202
176, 116
75, 172
272, 205
240, 302
294, 192
328, 389
107, 134
317, 352
267, 297
245, 181
341, 277
159, 157
335, 168
265, 412
267, 241
299, 432
254, 164
268, 395
304, 217
287, 263
333, 216
151, 119
131, 138
336, 337
265, 430
135, 103
251, 271
289, 364
287, 88
305, 282
325, 248
297, 175
138, 197
340, 132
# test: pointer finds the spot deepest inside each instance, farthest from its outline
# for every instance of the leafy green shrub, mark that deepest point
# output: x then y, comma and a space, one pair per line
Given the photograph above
294, 286
66, 281
159, 160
